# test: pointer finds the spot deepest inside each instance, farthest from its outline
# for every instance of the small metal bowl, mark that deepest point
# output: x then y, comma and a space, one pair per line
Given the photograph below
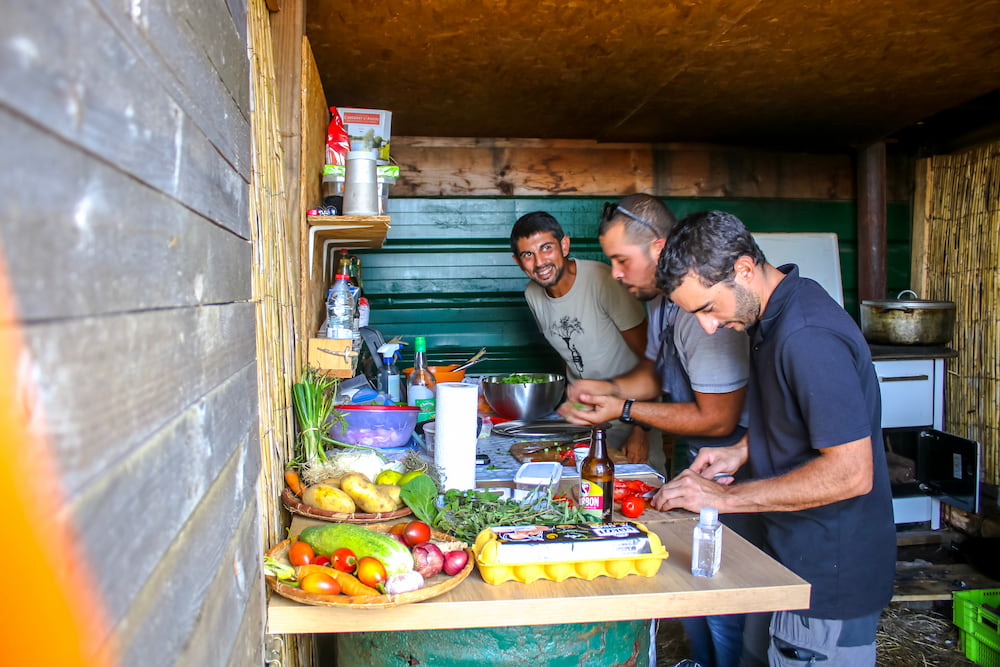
524, 400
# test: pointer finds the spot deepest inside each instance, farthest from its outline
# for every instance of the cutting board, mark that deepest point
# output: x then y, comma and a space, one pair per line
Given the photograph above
552, 454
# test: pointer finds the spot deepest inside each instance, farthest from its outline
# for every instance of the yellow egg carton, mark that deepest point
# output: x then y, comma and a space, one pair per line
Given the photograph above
556, 553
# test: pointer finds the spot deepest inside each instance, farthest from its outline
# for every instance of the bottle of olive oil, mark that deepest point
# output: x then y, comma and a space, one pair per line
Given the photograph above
597, 480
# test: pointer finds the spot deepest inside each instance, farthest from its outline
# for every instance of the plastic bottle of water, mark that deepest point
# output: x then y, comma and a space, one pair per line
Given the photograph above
340, 310
706, 545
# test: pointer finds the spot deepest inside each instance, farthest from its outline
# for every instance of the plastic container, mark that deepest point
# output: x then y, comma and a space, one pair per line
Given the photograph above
379, 426
441, 373
487, 551
430, 433
977, 615
537, 476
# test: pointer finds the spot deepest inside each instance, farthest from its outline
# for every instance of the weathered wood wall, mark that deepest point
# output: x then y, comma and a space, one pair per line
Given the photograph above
124, 194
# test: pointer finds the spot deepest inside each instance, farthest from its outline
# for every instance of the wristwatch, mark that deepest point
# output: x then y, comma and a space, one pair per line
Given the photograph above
626, 417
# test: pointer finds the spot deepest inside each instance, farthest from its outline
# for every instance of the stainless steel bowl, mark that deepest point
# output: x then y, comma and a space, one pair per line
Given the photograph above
525, 400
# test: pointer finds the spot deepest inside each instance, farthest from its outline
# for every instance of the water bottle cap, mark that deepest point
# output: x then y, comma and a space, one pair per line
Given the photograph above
341, 276
420, 344
709, 515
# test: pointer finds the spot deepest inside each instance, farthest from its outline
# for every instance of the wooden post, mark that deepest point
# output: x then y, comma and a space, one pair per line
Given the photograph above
871, 222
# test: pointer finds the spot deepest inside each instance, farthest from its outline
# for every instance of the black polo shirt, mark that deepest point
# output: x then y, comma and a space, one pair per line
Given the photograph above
813, 385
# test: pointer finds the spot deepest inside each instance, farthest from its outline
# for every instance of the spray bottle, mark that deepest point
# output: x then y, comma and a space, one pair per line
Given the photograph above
388, 376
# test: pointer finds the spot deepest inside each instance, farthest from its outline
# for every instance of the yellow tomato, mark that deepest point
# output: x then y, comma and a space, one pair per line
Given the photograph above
389, 476
408, 476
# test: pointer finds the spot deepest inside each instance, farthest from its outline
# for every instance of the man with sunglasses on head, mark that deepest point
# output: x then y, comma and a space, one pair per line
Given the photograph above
703, 377
594, 324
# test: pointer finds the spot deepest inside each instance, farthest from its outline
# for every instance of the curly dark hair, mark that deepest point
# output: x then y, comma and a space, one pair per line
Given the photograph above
707, 243
532, 223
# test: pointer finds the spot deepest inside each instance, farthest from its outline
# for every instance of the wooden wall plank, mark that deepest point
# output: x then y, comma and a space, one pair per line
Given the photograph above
193, 47
923, 188
312, 152
221, 637
110, 383
111, 103
99, 241
169, 610
434, 166
135, 492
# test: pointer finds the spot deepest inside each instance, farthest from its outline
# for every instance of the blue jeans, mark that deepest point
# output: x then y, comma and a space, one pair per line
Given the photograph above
716, 641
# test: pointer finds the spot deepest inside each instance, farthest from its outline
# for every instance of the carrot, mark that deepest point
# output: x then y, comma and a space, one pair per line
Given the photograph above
293, 482
349, 584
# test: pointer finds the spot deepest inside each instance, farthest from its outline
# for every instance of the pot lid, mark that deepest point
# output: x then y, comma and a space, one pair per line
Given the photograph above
914, 303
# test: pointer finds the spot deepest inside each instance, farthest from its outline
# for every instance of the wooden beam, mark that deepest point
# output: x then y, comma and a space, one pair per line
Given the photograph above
871, 222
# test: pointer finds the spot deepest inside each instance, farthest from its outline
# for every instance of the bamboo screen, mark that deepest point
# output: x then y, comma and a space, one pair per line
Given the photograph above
961, 263
275, 298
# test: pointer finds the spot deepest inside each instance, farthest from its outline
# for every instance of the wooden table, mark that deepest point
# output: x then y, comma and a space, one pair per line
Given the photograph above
749, 581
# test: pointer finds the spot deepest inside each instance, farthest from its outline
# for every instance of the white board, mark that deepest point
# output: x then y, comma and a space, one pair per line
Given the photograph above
817, 254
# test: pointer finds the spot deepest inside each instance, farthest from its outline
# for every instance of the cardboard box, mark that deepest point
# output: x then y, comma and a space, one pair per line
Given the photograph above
371, 126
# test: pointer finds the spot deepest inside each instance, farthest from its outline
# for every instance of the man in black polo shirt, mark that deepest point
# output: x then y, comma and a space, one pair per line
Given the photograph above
814, 444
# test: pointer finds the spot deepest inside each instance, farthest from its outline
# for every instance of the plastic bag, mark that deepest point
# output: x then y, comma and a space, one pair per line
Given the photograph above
337, 141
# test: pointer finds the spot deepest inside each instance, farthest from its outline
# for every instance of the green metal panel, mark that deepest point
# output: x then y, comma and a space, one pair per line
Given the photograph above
446, 270
607, 644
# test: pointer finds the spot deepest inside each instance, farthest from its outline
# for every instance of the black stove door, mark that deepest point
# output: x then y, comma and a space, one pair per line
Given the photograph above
948, 468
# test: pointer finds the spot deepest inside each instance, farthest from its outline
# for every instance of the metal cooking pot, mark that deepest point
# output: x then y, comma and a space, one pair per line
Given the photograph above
902, 321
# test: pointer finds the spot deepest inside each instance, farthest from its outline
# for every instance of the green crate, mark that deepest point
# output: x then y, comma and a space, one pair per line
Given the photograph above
977, 625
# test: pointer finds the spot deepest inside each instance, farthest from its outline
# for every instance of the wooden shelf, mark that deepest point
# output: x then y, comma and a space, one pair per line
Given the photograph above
345, 231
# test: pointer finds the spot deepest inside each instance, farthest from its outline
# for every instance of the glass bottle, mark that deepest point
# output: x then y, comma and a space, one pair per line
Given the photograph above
420, 387
706, 544
597, 480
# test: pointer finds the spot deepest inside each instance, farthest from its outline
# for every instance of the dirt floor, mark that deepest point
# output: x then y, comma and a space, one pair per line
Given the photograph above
908, 637
910, 634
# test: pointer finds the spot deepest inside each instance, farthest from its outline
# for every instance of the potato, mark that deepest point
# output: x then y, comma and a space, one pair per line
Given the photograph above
391, 491
365, 494
331, 481
328, 498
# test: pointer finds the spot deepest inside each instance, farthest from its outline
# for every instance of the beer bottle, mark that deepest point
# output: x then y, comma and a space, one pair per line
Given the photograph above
597, 480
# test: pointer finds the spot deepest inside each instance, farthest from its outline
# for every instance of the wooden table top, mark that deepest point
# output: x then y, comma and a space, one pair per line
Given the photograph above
748, 581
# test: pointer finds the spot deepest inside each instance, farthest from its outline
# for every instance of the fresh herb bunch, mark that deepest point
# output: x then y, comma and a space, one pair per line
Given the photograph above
467, 513
314, 397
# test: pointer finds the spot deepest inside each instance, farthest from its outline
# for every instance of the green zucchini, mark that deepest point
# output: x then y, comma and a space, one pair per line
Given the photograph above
324, 540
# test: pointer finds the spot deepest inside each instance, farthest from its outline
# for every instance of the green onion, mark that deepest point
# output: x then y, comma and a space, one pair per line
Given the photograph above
313, 396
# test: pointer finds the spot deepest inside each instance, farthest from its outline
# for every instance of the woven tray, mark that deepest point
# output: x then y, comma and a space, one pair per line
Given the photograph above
435, 586
295, 505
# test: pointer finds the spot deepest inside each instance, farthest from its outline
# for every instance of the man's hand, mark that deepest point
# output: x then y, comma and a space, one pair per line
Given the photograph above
690, 491
590, 387
596, 409
636, 446
712, 462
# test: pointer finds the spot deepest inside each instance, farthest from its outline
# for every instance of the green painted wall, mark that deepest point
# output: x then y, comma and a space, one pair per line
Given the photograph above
446, 270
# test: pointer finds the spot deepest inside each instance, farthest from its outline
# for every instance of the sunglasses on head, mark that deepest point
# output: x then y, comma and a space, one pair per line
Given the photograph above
610, 210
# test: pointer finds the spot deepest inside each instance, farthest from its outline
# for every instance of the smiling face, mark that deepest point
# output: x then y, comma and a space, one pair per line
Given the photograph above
726, 304
634, 266
543, 258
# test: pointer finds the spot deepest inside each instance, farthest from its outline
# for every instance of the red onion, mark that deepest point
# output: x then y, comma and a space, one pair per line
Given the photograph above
455, 561
428, 559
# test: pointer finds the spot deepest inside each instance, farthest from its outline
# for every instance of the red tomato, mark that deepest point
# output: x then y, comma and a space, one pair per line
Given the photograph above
301, 553
416, 532
344, 560
371, 572
318, 582
320, 560
633, 507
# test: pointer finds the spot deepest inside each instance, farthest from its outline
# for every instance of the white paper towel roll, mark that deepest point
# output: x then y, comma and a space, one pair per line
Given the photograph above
457, 424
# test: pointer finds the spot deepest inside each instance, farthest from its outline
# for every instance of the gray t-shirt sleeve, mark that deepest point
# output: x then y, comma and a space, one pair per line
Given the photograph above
716, 363
623, 308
